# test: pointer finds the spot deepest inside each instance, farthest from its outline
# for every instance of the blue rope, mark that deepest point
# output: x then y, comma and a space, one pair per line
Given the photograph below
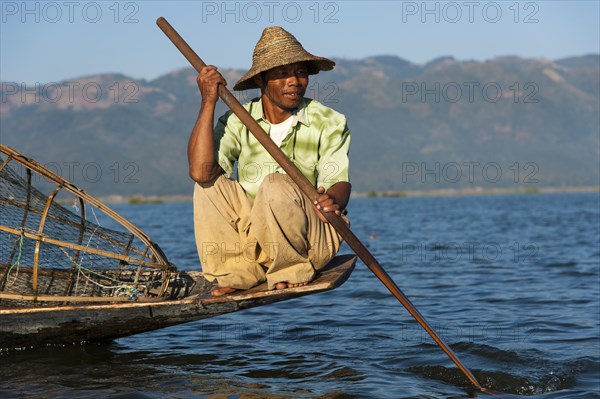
134, 292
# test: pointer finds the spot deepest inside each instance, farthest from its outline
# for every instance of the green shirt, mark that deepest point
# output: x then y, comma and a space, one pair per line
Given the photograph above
317, 144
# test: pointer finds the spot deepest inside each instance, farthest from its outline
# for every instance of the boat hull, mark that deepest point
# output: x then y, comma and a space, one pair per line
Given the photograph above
29, 327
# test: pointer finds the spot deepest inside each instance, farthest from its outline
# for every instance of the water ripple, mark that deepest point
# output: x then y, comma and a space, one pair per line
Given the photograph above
509, 282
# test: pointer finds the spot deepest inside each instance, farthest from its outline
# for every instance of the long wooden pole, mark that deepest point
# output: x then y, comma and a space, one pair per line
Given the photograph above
310, 191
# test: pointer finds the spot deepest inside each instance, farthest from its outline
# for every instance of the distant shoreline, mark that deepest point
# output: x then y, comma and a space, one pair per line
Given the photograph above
155, 199
477, 191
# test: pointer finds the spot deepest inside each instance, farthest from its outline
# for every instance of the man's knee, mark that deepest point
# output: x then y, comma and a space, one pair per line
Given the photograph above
276, 185
276, 180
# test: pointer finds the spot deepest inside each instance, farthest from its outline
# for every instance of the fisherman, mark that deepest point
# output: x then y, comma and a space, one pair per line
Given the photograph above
252, 223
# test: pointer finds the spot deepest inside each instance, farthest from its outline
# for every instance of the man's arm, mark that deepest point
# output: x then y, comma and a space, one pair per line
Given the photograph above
203, 167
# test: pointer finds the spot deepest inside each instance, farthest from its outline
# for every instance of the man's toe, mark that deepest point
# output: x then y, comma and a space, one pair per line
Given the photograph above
220, 291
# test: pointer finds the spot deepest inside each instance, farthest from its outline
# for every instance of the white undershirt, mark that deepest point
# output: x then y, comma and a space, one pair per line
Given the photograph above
280, 130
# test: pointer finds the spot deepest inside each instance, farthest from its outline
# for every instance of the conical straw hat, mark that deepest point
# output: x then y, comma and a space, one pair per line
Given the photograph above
277, 47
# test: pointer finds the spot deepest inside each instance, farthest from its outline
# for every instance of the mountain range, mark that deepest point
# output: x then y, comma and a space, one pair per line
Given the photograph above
508, 122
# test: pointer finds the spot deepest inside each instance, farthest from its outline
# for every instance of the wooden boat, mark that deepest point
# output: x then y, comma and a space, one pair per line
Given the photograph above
66, 279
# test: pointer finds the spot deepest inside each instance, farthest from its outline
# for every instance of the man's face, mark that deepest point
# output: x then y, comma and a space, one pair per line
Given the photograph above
285, 86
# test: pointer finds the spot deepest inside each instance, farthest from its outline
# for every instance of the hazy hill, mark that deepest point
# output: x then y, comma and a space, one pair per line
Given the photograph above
505, 122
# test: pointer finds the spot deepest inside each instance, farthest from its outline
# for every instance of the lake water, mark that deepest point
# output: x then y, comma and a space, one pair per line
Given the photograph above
512, 283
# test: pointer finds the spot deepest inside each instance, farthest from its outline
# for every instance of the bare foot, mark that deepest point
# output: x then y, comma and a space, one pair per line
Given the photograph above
284, 284
220, 291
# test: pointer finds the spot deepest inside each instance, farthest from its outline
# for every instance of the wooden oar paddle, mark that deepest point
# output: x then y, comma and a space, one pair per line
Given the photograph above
308, 189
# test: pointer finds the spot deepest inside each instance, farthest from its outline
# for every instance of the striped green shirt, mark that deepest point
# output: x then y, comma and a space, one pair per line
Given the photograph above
317, 144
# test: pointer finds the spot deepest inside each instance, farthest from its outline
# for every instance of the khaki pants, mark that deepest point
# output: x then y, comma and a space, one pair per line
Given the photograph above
276, 237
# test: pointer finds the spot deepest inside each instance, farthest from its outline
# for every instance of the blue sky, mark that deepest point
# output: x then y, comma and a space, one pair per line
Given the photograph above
53, 41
